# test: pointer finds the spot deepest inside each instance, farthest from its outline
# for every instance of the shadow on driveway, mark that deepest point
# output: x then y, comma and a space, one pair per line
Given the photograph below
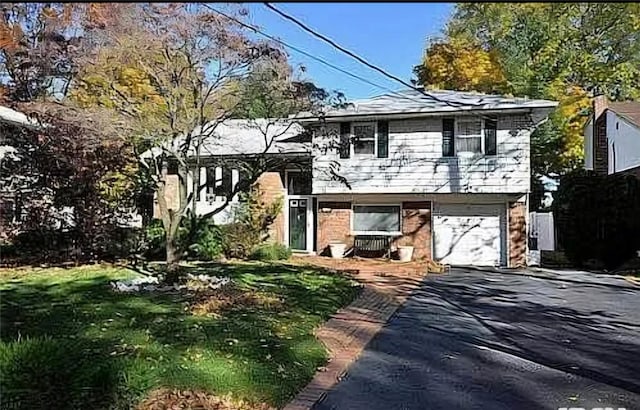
474, 339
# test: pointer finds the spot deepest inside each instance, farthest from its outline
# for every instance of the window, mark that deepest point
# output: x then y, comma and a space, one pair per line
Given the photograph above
469, 136
298, 182
448, 137
219, 181
345, 144
364, 138
376, 218
490, 129
383, 139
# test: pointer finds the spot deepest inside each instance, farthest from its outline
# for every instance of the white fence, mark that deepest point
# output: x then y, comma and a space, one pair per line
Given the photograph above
541, 235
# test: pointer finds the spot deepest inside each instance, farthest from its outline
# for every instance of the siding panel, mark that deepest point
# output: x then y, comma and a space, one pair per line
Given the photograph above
416, 164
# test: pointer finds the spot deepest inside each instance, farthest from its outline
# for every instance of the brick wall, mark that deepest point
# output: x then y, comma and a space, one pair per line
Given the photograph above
416, 228
171, 194
600, 146
272, 186
334, 225
517, 235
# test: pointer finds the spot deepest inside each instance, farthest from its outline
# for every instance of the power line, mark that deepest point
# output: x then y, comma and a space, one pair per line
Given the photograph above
357, 57
258, 31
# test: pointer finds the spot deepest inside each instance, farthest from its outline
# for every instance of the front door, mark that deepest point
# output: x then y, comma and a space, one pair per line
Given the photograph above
298, 210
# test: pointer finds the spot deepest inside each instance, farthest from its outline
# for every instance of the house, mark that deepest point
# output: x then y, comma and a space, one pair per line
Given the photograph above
10, 210
448, 174
612, 137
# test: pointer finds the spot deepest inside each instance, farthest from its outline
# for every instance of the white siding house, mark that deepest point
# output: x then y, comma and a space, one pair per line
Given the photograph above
447, 173
612, 137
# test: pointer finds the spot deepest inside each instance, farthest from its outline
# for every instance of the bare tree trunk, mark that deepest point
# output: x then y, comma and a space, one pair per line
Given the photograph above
173, 259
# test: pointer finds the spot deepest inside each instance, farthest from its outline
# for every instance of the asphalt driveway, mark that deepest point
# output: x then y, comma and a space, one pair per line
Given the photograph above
481, 340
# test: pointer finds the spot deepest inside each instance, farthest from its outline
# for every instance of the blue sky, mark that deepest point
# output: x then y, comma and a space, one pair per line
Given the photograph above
389, 35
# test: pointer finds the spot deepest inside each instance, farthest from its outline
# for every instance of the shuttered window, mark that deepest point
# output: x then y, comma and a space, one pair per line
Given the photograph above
490, 143
383, 139
448, 137
345, 148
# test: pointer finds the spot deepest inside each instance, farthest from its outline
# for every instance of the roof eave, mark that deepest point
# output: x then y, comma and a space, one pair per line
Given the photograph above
434, 113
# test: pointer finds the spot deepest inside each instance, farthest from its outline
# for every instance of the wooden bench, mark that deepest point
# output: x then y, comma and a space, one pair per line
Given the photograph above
372, 245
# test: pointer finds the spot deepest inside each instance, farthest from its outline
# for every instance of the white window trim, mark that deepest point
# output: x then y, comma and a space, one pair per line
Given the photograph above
456, 135
385, 233
352, 136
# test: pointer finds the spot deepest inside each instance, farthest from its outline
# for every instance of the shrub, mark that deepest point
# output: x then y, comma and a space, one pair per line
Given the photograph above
208, 242
597, 217
252, 218
44, 372
205, 243
271, 252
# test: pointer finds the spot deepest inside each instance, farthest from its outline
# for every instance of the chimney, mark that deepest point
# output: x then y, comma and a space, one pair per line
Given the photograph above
599, 105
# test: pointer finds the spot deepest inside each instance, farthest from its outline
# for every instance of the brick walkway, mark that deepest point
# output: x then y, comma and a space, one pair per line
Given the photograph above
386, 286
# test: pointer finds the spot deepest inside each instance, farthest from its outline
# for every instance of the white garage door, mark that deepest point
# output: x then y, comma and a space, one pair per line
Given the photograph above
469, 234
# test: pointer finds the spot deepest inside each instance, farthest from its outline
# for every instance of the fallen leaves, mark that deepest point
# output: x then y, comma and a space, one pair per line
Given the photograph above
217, 301
165, 399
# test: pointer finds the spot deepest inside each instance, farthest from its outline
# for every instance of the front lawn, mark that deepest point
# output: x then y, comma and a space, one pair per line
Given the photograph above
69, 341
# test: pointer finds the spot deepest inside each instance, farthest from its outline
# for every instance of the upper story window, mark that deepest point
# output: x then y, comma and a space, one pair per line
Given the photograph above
298, 182
469, 136
364, 139
476, 136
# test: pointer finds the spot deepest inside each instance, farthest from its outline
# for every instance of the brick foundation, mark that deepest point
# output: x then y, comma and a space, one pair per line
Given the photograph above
334, 225
272, 187
416, 228
171, 194
517, 235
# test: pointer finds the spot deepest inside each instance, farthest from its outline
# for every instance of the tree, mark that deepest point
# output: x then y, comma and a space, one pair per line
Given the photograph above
67, 159
40, 44
56, 171
563, 51
458, 64
175, 73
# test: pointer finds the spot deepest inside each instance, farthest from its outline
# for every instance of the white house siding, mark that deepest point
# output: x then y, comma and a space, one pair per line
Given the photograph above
416, 164
624, 143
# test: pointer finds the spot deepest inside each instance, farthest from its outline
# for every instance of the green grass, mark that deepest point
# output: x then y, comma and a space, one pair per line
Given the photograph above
68, 341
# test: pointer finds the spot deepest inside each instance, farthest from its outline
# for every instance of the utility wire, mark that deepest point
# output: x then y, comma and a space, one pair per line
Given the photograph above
342, 70
357, 57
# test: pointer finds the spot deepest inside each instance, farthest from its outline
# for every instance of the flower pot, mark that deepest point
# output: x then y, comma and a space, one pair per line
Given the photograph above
405, 253
337, 250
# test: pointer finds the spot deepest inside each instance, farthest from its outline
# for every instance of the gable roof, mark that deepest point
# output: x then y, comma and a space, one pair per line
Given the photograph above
629, 110
438, 101
13, 117
248, 137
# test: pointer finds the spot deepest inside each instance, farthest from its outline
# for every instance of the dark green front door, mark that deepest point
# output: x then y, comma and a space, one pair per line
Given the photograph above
298, 224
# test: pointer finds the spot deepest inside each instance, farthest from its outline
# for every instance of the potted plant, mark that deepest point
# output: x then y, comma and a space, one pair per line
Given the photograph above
405, 253
337, 249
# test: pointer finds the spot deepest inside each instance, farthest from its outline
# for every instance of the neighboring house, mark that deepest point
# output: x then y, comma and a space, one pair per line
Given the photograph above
612, 138
10, 210
449, 178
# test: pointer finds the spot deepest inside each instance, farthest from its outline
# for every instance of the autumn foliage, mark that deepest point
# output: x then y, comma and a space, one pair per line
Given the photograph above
566, 52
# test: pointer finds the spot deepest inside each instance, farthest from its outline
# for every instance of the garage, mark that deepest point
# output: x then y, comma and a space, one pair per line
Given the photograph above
470, 234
